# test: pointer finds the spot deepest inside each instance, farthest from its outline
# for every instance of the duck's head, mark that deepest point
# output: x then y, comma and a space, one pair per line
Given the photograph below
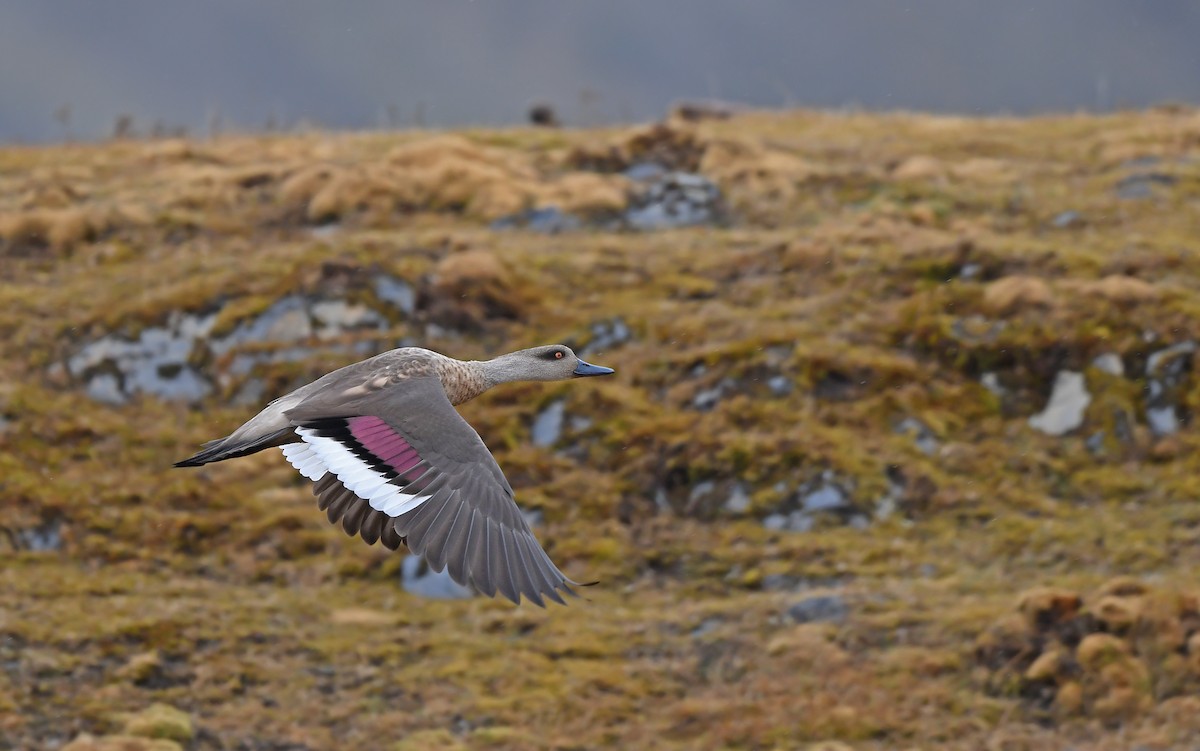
552, 362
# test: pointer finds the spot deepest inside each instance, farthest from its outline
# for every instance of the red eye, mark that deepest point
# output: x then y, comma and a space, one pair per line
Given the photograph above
558, 355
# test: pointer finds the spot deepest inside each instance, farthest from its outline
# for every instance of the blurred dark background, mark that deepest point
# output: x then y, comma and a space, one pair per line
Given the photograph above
73, 69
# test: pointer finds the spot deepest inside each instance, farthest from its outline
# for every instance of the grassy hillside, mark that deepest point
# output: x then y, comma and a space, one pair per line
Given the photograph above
813, 495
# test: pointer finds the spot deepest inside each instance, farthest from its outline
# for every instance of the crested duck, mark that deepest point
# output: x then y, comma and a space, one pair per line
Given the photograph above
393, 460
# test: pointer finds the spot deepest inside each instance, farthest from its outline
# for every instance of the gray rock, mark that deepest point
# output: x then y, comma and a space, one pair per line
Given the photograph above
1162, 420
397, 292
776, 522
1142, 186
699, 491
969, 271
991, 382
1166, 370
739, 500
1109, 362
334, 317
106, 389
708, 398
1067, 219
927, 442
417, 578
1170, 361
325, 231
676, 199
548, 425
779, 385
250, 393
796, 521
606, 335
286, 320
825, 498
1068, 402
546, 220
820, 609
645, 172
114, 368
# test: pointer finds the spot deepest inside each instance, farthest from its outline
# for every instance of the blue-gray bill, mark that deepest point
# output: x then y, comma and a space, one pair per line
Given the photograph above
587, 369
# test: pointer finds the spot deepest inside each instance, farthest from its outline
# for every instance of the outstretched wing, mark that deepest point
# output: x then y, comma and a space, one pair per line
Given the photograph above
407, 452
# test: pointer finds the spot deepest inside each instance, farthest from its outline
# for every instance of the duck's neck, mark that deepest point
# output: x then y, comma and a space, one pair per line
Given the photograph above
461, 379
465, 380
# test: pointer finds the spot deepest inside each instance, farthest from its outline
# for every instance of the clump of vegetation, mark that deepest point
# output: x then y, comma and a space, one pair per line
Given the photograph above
1113, 655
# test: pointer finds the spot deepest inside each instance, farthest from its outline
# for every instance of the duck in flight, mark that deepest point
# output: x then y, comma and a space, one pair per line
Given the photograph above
393, 460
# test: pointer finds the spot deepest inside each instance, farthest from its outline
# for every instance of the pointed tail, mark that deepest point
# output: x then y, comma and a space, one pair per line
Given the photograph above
223, 448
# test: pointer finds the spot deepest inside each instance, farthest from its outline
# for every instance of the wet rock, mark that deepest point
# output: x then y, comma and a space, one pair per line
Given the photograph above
1143, 186
397, 292
927, 442
548, 425
1109, 362
822, 609
417, 578
161, 721
1068, 402
676, 199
